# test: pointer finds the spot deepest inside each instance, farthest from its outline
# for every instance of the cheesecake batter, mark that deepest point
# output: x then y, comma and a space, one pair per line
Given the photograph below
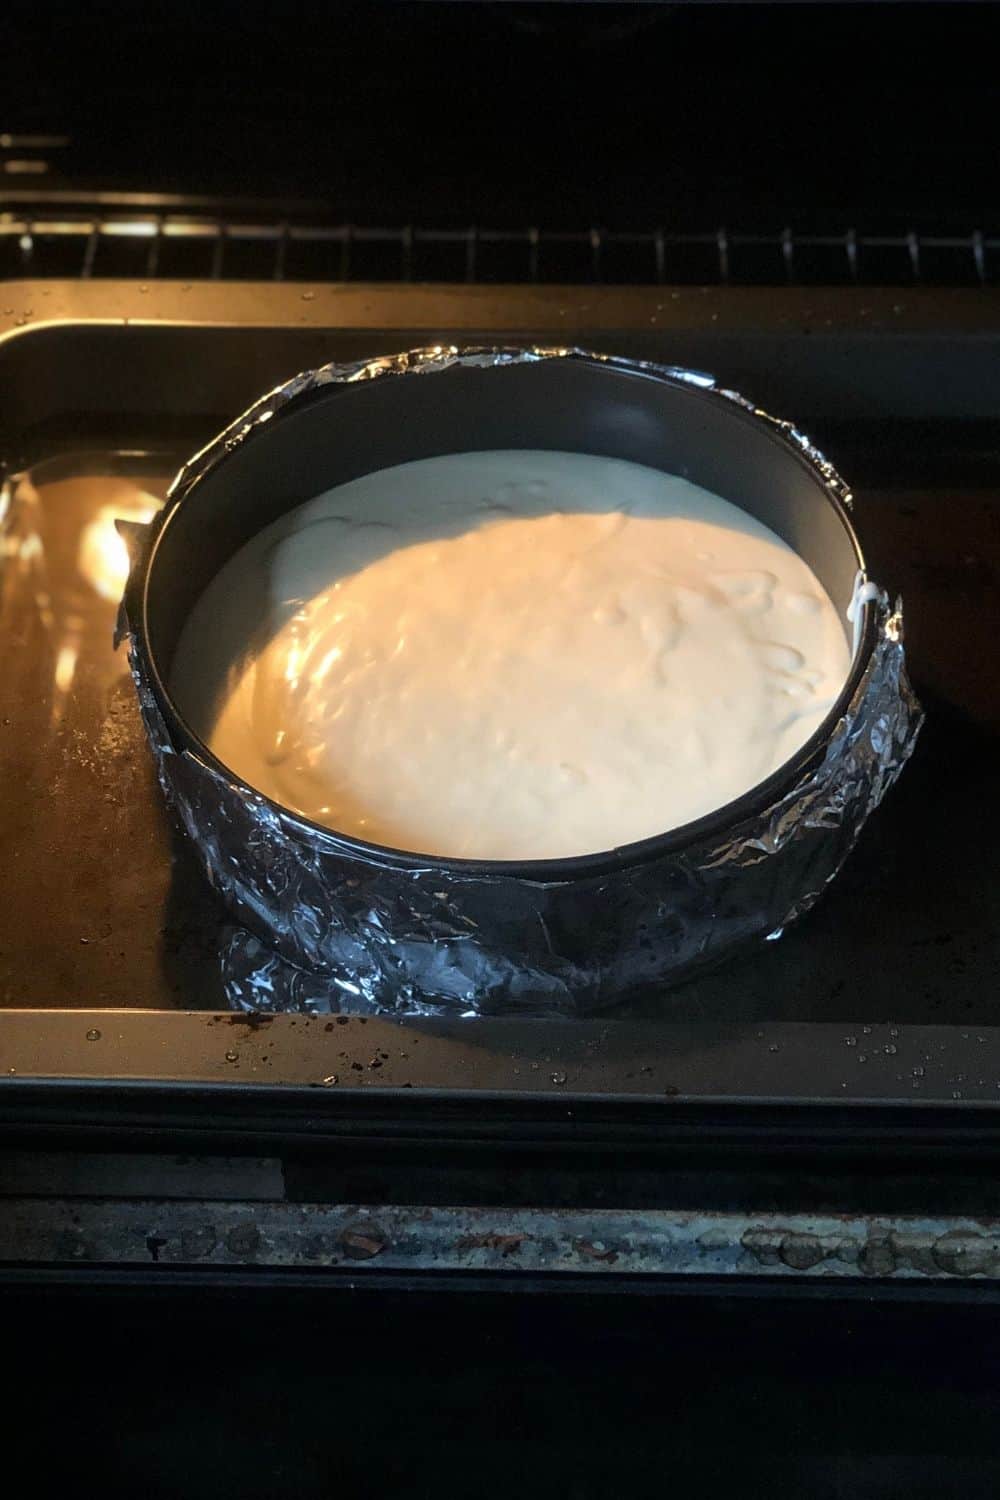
510, 655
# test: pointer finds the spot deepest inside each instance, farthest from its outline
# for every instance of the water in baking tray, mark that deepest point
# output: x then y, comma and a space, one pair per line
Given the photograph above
101, 905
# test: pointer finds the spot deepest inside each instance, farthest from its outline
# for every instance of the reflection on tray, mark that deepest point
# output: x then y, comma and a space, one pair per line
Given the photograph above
103, 557
99, 911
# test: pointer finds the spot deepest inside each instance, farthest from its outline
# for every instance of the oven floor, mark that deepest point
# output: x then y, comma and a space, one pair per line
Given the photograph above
103, 904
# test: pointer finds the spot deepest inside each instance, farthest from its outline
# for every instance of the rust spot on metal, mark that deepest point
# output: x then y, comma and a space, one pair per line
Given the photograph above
595, 1252
763, 1244
363, 1244
507, 1244
964, 1252
915, 1249
877, 1256
801, 1252
243, 1240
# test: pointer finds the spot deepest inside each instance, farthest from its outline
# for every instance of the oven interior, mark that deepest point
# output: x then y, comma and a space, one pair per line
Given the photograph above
747, 1233
891, 975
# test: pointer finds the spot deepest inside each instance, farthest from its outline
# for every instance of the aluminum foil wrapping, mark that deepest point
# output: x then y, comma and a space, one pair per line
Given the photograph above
326, 926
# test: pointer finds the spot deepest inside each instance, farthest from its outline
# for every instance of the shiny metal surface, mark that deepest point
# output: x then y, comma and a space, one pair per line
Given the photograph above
55, 232
95, 909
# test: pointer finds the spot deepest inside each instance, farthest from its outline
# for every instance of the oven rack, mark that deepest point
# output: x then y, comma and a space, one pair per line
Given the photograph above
148, 236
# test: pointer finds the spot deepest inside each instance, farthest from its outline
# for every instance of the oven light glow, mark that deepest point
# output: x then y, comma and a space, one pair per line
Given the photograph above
103, 556
131, 228
66, 667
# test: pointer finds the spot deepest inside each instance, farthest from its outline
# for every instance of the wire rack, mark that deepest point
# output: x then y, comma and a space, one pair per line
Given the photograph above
147, 242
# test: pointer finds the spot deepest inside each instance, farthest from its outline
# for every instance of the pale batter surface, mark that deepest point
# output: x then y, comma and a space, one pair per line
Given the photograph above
510, 655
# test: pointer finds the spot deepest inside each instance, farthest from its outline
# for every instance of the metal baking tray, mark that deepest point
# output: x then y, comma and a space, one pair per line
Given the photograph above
875, 1018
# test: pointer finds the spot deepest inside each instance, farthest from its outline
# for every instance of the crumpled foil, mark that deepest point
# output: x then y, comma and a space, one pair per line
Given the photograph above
326, 926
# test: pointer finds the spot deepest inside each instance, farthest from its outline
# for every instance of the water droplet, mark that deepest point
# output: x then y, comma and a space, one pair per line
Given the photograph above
558, 1077
774, 1047
894, 1031
956, 1093
7, 312
330, 1080
232, 1055
186, 287
851, 1041
534, 1067
143, 287
890, 1050
11, 1070
918, 1072
308, 296
862, 1057
93, 1035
